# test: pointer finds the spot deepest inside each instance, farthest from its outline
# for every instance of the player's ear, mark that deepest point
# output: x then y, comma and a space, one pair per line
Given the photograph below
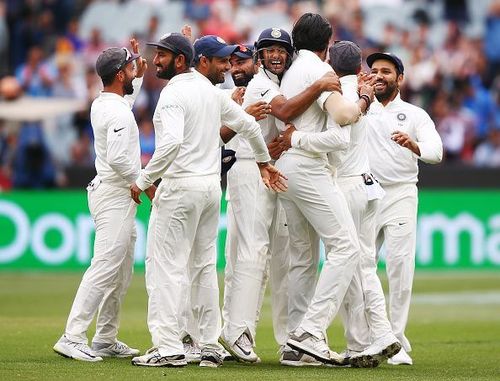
401, 77
180, 61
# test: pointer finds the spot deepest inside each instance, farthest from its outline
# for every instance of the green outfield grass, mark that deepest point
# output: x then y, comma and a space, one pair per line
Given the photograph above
454, 328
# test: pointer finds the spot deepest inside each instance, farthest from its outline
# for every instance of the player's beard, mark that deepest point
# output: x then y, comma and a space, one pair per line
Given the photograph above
168, 72
128, 87
243, 80
390, 89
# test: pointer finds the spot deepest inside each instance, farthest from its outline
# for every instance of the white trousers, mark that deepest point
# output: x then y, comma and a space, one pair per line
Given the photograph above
314, 201
106, 281
396, 226
363, 310
256, 245
181, 243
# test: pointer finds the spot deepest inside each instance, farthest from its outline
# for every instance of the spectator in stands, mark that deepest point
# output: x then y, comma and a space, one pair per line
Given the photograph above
487, 153
492, 41
33, 167
146, 140
457, 130
36, 76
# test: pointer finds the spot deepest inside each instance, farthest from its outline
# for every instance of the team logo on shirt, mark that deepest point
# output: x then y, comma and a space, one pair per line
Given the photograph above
276, 33
401, 116
264, 92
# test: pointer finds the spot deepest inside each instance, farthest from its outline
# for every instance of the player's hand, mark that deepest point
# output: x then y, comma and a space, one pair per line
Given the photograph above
365, 78
259, 110
187, 32
238, 95
135, 192
285, 139
273, 179
275, 149
329, 82
365, 89
404, 140
142, 64
150, 192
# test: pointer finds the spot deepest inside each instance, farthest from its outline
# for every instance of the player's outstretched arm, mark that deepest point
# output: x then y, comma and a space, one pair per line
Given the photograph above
273, 179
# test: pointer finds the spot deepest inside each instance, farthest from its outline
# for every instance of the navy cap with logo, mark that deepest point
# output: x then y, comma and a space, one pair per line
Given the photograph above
177, 44
386, 56
112, 60
272, 36
212, 46
345, 56
244, 51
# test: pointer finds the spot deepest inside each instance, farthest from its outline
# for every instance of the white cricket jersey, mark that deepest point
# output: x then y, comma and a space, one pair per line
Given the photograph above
304, 71
389, 162
187, 121
354, 161
116, 137
264, 86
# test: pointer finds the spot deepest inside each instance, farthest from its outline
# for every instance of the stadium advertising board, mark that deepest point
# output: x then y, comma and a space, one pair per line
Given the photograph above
54, 231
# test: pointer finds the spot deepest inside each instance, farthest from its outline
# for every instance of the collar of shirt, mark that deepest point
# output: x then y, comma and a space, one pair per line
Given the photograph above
309, 55
106, 95
396, 101
182, 77
201, 76
267, 73
350, 79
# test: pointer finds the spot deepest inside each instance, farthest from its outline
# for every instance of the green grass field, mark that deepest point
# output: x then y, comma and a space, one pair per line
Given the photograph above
454, 328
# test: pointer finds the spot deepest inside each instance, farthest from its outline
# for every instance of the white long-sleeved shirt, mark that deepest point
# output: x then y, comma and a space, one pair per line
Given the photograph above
264, 86
187, 122
346, 146
305, 70
389, 162
116, 137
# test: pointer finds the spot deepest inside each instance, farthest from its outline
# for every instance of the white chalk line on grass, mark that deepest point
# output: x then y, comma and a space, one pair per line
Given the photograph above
450, 298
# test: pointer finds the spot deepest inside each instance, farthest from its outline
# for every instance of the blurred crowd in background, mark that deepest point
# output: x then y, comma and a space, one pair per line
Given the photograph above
48, 48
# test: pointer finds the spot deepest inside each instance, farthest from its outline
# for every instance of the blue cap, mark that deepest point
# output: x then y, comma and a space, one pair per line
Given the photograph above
386, 56
244, 51
177, 44
212, 46
271, 36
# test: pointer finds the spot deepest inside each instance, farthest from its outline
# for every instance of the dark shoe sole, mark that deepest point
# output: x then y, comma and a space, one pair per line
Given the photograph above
373, 361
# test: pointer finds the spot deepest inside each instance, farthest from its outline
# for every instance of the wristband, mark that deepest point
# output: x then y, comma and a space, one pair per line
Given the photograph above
366, 98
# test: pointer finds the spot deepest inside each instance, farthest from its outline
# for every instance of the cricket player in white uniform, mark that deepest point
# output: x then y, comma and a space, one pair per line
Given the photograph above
257, 233
363, 310
314, 203
399, 134
118, 163
183, 225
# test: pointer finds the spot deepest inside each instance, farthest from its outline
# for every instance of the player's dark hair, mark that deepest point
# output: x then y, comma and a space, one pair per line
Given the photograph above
312, 32
108, 79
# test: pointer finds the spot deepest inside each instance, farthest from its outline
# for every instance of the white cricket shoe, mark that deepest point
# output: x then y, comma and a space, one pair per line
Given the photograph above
74, 350
346, 354
400, 358
210, 358
376, 353
290, 357
191, 350
313, 346
117, 349
242, 349
153, 358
